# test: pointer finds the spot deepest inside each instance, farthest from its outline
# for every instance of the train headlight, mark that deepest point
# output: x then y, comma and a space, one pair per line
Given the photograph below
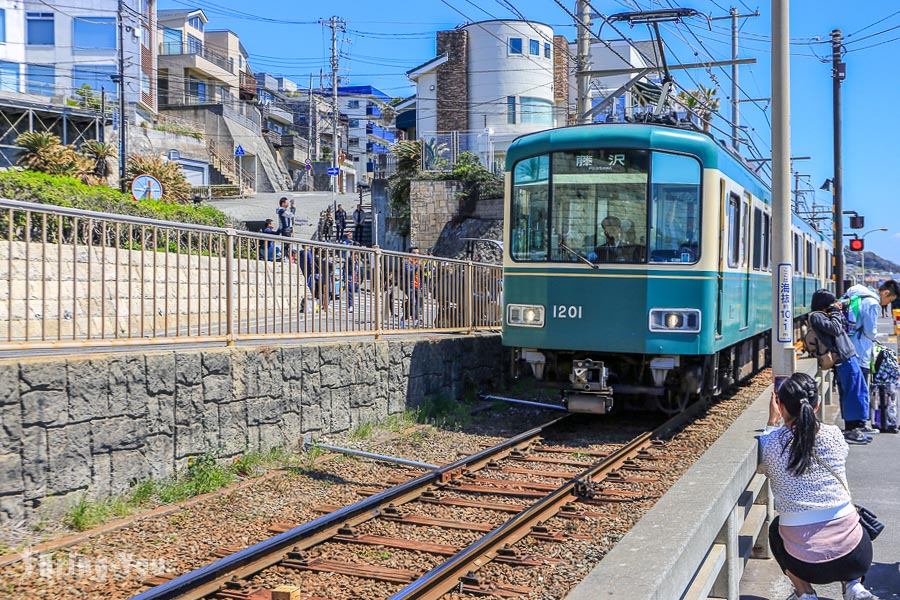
675, 320
525, 315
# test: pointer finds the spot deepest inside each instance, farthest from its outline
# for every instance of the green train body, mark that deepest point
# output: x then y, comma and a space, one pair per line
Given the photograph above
637, 261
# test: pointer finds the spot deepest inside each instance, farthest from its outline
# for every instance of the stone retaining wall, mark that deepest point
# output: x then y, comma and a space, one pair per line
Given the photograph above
434, 203
100, 423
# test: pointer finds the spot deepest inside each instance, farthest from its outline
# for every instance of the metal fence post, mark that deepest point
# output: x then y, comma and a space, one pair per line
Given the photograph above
727, 584
377, 273
229, 288
469, 295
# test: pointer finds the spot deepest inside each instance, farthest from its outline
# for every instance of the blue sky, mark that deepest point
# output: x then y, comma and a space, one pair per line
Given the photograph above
384, 39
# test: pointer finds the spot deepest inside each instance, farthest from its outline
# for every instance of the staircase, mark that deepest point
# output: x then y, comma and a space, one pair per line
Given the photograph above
223, 161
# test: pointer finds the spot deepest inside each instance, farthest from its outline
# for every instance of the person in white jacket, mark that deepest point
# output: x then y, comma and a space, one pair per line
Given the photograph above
865, 329
816, 537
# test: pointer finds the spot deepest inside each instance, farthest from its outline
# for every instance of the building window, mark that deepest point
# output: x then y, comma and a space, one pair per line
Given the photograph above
534, 47
9, 76
353, 104
196, 23
145, 36
145, 83
40, 79
197, 89
195, 46
536, 111
511, 110
2, 25
94, 33
96, 78
353, 123
546, 50
515, 45
39, 29
145, 7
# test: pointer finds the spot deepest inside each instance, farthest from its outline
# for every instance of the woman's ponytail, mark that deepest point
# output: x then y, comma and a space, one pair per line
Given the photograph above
799, 396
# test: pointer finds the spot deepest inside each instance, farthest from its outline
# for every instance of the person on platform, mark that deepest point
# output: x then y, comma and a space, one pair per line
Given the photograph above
827, 320
816, 537
340, 221
865, 330
359, 217
286, 215
272, 251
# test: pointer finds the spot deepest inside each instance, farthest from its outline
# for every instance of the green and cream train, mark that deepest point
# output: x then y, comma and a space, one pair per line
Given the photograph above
638, 263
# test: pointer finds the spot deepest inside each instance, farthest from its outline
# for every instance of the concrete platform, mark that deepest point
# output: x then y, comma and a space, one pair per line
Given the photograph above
874, 474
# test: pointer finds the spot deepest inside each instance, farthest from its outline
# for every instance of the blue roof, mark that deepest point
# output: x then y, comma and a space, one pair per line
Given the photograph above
356, 90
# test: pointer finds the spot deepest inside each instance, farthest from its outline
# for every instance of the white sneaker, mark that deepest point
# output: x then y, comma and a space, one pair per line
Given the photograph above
796, 596
856, 591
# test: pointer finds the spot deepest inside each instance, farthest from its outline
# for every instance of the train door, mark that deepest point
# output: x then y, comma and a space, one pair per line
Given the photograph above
720, 269
745, 260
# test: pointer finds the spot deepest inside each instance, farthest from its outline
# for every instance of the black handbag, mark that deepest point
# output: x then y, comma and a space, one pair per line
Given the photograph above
867, 518
869, 522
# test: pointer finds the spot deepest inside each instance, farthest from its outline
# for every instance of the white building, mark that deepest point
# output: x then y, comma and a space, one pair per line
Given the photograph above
491, 82
70, 53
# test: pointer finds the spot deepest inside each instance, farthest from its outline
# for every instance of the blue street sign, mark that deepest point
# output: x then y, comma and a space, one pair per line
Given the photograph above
333, 170
309, 167
239, 151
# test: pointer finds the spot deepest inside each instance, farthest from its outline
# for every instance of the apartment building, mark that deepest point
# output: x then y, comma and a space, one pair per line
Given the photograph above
205, 78
68, 55
368, 132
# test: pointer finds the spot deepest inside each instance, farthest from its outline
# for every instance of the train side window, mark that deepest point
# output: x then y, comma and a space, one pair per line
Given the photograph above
810, 258
758, 239
798, 254
734, 230
530, 219
745, 230
674, 209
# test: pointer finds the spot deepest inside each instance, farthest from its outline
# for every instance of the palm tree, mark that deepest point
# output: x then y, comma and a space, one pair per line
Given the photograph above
38, 150
100, 153
701, 103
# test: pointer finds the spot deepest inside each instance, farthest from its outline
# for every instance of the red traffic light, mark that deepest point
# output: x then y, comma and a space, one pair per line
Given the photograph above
857, 245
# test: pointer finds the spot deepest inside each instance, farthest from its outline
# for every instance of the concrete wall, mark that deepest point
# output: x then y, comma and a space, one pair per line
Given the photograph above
100, 423
108, 291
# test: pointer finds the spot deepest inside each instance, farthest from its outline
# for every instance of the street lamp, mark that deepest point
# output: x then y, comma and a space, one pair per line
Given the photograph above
863, 251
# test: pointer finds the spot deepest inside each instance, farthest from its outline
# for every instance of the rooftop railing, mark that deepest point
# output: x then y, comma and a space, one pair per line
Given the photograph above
176, 48
73, 279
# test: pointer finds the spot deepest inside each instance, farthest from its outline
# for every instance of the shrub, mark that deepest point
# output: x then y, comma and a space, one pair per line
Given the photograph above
30, 186
176, 188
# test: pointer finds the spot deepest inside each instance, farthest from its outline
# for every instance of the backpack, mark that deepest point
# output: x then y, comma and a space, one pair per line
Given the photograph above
885, 370
850, 311
814, 344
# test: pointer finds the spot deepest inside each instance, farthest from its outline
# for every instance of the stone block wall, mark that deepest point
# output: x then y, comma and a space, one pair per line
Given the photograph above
431, 205
100, 423
69, 291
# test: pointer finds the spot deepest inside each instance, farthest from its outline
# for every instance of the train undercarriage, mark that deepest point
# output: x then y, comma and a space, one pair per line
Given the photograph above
595, 382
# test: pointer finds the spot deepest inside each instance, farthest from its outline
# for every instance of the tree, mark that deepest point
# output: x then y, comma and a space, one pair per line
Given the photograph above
176, 189
100, 153
701, 103
409, 161
43, 152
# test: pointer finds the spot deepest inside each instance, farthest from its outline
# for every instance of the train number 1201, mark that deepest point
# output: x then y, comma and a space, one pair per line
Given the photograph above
566, 311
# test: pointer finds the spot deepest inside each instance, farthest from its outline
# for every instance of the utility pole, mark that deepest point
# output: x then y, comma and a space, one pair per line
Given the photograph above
838, 73
733, 16
783, 358
120, 14
583, 63
101, 135
335, 24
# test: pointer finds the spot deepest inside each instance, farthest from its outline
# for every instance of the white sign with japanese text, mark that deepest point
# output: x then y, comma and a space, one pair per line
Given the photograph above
785, 317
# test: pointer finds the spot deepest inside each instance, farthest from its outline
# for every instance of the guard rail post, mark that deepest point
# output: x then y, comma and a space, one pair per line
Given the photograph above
229, 288
377, 292
470, 297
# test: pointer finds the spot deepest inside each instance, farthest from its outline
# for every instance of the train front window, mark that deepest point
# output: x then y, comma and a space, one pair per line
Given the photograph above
599, 206
674, 209
529, 222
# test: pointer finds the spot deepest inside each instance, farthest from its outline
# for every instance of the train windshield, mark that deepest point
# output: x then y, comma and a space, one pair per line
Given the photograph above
593, 205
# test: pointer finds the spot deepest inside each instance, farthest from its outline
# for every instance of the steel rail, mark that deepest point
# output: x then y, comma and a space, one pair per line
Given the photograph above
446, 576
206, 580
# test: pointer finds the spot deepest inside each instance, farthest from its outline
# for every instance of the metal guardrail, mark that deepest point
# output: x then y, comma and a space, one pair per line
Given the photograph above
71, 278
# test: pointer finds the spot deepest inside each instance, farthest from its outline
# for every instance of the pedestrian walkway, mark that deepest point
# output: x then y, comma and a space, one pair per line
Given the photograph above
874, 474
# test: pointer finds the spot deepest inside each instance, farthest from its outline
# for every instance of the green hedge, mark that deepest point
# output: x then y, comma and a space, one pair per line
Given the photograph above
31, 186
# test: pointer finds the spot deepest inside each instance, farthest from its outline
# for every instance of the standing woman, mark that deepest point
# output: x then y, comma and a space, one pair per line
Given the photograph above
816, 537
828, 322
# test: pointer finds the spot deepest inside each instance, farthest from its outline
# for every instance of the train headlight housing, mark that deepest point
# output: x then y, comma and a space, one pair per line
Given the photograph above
525, 315
675, 320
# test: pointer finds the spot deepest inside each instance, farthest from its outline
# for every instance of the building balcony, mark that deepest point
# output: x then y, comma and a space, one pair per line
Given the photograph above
277, 113
372, 110
195, 57
247, 85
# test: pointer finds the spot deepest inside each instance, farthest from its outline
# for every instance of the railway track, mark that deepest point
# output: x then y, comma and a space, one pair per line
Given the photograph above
507, 493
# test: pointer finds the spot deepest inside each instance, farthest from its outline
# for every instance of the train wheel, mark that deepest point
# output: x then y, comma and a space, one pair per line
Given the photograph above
672, 402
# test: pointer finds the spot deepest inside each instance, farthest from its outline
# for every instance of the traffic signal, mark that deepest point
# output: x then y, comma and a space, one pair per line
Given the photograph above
857, 222
857, 245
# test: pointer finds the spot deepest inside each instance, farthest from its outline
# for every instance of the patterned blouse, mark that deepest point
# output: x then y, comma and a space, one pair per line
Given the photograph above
816, 496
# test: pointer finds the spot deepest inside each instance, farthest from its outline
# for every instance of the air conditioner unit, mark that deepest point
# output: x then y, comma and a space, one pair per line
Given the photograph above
136, 32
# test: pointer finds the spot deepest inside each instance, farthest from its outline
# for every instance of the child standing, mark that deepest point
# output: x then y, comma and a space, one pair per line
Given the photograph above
885, 387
